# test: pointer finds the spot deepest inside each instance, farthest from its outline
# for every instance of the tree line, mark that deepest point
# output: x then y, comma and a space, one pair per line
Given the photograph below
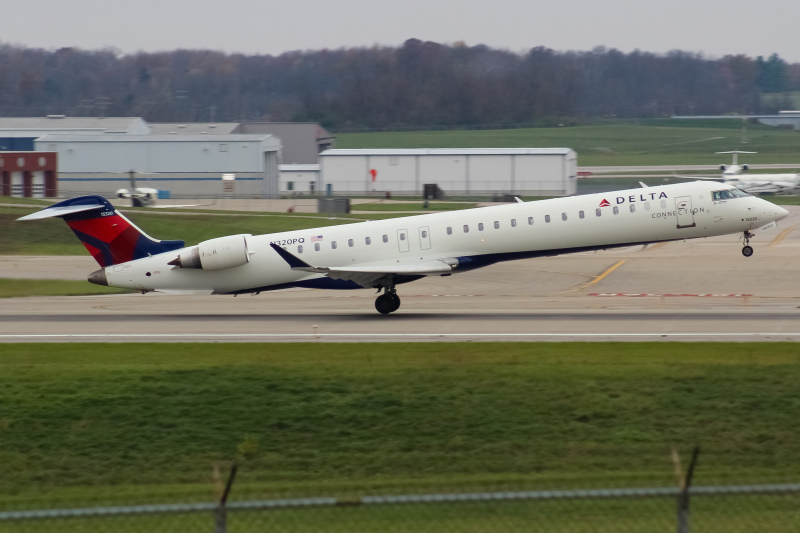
418, 84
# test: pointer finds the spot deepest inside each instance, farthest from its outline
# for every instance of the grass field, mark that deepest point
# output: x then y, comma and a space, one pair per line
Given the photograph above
138, 422
644, 142
414, 206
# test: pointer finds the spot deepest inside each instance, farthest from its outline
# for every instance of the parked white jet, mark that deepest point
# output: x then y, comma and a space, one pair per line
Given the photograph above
385, 253
733, 174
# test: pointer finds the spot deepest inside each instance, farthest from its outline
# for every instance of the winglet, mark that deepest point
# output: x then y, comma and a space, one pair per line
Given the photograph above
294, 261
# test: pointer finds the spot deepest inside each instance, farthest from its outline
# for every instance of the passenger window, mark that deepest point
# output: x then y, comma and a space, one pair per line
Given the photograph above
350, 243
300, 249
598, 212
513, 222
633, 208
333, 244
368, 240
480, 226
530, 221
402, 236
663, 204
564, 217
616, 210
547, 218
424, 234
580, 214
496, 224
647, 206
449, 230
385, 238
316, 247
466, 228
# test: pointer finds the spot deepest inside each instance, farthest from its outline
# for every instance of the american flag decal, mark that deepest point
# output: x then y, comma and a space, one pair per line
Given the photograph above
316, 238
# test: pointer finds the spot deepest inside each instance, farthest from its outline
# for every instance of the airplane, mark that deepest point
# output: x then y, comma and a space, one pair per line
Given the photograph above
733, 174
382, 254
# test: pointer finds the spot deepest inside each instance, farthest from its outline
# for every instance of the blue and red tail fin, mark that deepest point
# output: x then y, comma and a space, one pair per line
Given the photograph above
107, 234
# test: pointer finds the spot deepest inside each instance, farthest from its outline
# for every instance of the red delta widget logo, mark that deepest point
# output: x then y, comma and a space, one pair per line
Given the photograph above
635, 198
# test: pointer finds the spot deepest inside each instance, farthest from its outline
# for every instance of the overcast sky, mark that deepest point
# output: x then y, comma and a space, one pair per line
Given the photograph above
713, 27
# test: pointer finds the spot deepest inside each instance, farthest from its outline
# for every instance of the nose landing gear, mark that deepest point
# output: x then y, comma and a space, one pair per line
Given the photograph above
388, 302
747, 251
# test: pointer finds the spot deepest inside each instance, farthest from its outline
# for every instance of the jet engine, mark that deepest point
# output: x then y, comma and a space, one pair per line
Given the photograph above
215, 254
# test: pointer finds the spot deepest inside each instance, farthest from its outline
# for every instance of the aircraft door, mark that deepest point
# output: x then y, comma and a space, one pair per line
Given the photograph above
424, 238
684, 213
402, 240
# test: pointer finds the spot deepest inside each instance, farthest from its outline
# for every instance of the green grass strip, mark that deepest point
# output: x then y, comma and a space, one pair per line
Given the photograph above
360, 418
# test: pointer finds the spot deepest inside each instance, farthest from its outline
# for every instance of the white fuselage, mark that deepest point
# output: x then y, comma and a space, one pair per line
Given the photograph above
474, 237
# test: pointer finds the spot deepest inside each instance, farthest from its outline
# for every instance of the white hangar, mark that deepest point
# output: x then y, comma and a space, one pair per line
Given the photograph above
184, 165
528, 171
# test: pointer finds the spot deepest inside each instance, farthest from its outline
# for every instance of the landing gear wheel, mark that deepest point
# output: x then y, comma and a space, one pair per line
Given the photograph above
747, 251
388, 302
396, 300
385, 304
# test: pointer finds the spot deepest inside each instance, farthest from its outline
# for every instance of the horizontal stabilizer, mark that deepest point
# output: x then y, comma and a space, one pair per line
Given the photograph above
107, 235
61, 211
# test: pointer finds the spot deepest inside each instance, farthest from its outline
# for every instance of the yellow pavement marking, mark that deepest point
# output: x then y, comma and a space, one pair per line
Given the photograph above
782, 235
656, 246
599, 278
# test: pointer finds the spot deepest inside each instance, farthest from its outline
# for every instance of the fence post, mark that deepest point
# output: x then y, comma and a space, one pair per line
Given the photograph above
683, 496
221, 514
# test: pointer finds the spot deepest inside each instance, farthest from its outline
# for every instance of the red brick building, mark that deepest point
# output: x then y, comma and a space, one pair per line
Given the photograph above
29, 174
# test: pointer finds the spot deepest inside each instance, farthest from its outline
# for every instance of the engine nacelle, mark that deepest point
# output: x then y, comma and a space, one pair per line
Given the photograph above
745, 168
216, 254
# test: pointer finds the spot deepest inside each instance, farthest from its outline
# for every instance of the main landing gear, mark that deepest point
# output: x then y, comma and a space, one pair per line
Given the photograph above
747, 251
388, 302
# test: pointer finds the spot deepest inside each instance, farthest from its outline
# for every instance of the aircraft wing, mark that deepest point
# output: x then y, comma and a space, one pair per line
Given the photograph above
367, 275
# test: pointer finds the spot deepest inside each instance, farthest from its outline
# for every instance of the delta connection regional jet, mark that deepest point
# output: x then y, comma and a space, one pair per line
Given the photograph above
382, 254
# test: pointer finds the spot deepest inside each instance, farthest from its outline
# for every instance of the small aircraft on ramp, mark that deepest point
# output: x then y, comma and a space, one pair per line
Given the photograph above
382, 254
734, 174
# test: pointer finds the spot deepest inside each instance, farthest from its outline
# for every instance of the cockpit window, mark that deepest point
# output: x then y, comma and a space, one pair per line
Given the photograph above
725, 195
739, 193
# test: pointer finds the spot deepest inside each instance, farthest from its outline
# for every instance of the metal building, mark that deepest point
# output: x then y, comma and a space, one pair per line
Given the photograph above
19, 133
302, 142
530, 171
183, 165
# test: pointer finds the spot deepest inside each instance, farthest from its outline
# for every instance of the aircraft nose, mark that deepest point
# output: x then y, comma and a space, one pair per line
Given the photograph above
780, 213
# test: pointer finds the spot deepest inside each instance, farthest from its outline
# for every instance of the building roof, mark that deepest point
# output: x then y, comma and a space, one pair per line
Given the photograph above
279, 128
450, 151
193, 128
153, 138
57, 122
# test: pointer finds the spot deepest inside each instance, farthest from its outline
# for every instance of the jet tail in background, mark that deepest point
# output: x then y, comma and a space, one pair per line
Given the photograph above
107, 234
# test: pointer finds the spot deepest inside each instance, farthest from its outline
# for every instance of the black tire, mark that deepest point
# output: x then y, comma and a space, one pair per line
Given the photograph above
747, 251
396, 300
385, 304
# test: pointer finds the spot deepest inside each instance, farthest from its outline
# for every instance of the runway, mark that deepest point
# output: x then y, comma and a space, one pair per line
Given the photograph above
697, 290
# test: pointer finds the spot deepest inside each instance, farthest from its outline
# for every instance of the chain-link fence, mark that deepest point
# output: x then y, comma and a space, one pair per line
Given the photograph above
708, 509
